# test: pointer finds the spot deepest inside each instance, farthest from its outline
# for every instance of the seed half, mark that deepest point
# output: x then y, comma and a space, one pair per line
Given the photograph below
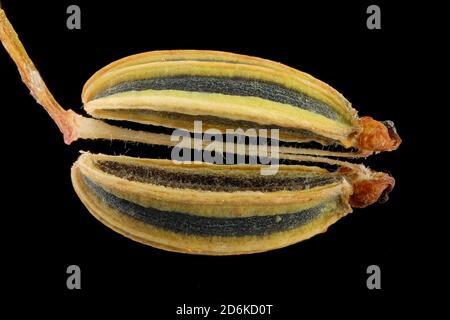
202, 208
240, 90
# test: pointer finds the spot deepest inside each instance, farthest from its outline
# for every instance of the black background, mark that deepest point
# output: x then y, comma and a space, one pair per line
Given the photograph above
47, 228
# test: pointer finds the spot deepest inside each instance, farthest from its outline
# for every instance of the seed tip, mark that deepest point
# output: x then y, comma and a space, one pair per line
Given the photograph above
378, 135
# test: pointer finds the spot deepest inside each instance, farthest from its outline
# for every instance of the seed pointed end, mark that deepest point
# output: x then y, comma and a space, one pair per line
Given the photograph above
368, 186
378, 136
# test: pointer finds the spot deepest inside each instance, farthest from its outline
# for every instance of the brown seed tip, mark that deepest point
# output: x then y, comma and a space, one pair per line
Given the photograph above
378, 136
369, 187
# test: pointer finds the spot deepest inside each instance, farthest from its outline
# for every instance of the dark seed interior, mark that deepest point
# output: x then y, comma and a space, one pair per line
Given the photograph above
206, 226
213, 182
229, 86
